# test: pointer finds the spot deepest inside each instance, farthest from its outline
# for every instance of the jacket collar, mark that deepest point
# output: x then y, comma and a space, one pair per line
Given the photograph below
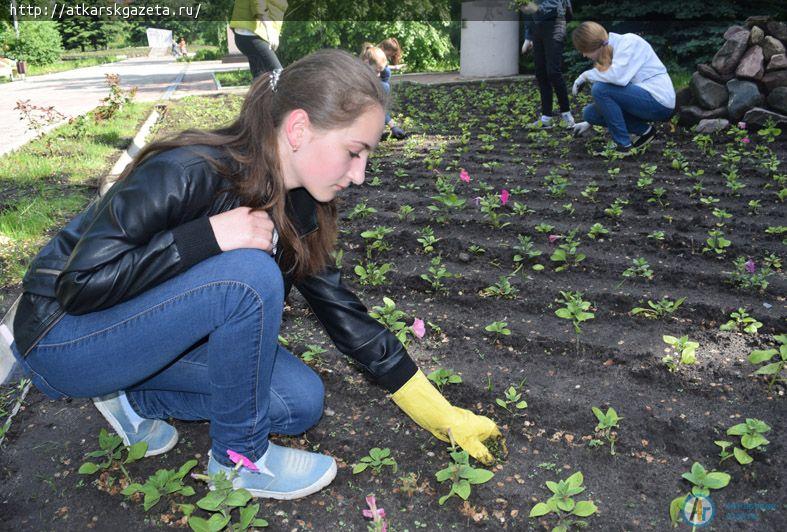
302, 209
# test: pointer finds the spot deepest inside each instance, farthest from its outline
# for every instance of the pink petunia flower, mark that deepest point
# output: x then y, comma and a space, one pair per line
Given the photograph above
375, 514
504, 195
240, 460
750, 266
742, 125
464, 176
554, 238
745, 140
419, 330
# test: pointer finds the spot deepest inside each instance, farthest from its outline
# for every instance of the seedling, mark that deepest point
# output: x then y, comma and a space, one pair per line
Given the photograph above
376, 240
498, 327
772, 369
741, 319
770, 131
475, 249
616, 209
520, 209
752, 439
748, 275
589, 192
162, 482
360, 211
576, 310
437, 274
373, 274
111, 450
393, 319
659, 309
567, 253
405, 212
442, 376
427, 239
377, 459
525, 250
512, 400
702, 482
684, 348
639, 268
658, 197
544, 228
502, 289
597, 230
657, 235
490, 204
462, 475
562, 504
313, 353
644, 182
606, 423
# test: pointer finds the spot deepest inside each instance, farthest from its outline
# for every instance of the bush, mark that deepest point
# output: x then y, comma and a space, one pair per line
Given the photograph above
38, 43
207, 54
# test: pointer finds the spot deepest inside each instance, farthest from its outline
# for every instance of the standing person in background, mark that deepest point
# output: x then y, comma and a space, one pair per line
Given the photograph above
182, 47
545, 33
631, 86
257, 26
377, 59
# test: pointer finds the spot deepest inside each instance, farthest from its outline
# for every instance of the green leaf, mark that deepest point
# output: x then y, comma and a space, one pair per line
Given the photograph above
742, 456
539, 509
88, 468
443, 474
152, 497
575, 480
671, 340
136, 451
752, 441
444, 498
480, 476
675, 508
359, 468
187, 509
584, 509
218, 522
564, 313
131, 489
186, 491
185, 468
565, 504
770, 369
759, 355
259, 523
500, 402
553, 487
238, 498
247, 514
522, 404
211, 501
198, 524
738, 430
598, 412
716, 480
462, 488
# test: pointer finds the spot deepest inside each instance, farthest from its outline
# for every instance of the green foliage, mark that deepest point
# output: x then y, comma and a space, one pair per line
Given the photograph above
502, 289
751, 435
393, 319
313, 353
575, 309
162, 482
659, 309
373, 274
684, 348
110, 452
606, 423
740, 319
462, 476
702, 482
499, 327
220, 503
442, 376
38, 43
512, 398
772, 369
563, 505
376, 459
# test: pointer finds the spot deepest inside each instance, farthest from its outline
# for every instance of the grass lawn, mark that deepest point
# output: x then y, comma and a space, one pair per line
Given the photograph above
234, 78
50, 179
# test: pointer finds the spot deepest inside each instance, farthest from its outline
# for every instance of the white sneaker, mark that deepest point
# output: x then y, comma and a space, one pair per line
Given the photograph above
568, 118
582, 128
545, 121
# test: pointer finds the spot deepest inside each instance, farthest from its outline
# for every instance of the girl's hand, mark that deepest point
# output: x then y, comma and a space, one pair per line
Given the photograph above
243, 228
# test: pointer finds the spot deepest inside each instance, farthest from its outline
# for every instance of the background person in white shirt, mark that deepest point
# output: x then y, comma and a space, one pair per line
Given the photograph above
631, 86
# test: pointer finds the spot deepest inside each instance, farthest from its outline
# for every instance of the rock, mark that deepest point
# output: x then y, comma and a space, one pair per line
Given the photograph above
757, 35
726, 59
711, 125
771, 46
743, 96
691, 114
707, 93
732, 30
777, 99
710, 73
777, 29
758, 20
464, 257
758, 116
683, 97
777, 62
751, 66
772, 80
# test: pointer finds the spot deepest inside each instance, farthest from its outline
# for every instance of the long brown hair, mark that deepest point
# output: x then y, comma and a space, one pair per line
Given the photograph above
334, 88
392, 49
589, 37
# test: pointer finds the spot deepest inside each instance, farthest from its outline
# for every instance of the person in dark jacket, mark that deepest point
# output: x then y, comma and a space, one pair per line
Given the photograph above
545, 34
164, 298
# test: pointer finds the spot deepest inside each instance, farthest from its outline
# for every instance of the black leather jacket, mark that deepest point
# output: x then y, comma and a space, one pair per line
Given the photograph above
154, 225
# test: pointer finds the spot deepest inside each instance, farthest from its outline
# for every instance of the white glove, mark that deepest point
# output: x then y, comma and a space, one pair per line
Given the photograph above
577, 84
529, 8
526, 46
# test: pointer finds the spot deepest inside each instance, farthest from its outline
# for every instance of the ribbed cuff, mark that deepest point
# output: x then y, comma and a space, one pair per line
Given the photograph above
195, 241
399, 375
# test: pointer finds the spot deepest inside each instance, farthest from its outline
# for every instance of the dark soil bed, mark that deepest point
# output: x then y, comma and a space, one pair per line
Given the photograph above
670, 419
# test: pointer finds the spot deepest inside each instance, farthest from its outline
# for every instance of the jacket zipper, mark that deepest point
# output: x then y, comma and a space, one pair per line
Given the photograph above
48, 271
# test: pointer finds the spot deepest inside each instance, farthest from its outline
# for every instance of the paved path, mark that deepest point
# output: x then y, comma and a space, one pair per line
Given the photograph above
78, 91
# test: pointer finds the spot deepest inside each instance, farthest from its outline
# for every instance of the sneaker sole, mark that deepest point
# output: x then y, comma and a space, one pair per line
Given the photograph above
118, 428
323, 481
645, 142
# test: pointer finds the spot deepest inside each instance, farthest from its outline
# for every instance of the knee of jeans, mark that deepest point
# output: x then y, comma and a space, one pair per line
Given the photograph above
599, 89
588, 113
257, 269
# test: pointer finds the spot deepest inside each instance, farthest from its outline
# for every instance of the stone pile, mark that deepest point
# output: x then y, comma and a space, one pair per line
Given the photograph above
746, 81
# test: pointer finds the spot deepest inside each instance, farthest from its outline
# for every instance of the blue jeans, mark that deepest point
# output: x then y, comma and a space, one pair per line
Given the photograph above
387, 89
200, 346
624, 110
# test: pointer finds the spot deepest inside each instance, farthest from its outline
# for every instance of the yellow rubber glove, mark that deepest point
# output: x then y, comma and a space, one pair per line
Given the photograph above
427, 407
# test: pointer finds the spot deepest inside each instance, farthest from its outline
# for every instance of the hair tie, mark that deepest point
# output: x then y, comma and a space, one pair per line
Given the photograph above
604, 43
274, 79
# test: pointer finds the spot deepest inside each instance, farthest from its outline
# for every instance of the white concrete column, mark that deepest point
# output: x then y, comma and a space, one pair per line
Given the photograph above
489, 39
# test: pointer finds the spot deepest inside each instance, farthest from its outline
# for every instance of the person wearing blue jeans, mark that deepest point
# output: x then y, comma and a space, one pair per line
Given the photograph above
631, 86
375, 57
164, 297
